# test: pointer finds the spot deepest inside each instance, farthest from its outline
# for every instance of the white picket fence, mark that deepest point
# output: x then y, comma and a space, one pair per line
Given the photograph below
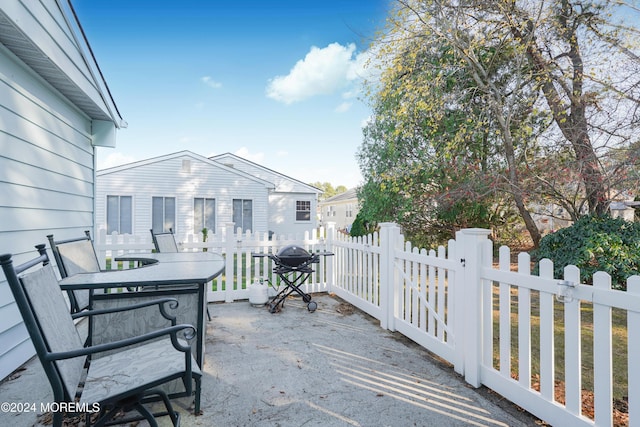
241, 268
458, 305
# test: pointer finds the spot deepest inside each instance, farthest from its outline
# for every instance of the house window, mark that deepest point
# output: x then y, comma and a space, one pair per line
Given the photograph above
303, 210
119, 214
243, 214
163, 214
204, 215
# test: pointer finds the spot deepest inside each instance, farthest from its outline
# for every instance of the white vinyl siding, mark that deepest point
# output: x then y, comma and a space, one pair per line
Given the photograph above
282, 199
44, 25
165, 176
47, 182
189, 177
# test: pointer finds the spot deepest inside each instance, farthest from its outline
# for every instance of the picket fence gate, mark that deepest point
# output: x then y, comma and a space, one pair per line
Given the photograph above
456, 303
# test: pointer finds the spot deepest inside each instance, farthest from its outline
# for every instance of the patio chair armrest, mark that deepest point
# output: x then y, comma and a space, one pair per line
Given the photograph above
160, 302
172, 331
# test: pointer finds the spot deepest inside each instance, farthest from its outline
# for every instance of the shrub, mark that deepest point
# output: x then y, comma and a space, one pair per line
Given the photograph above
595, 244
361, 226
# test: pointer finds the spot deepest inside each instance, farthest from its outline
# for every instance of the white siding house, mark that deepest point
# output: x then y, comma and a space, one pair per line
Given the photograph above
340, 209
185, 192
55, 110
181, 191
292, 203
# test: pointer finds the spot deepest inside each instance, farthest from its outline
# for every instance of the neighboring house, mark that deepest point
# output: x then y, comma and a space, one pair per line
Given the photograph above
340, 209
621, 206
56, 110
186, 192
623, 210
292, 203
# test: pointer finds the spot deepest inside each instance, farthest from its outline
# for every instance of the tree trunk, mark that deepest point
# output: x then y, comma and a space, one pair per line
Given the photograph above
514, 182
572, 123
495, 100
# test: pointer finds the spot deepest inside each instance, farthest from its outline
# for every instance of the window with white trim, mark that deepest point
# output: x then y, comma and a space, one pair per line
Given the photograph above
163, 214
120, 214
303, 210
243, 214
204, 215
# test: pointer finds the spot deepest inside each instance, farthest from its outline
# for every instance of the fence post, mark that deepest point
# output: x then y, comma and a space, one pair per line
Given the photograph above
633, 350
230, 277
330, 231
468, 334
100, 239
389, 233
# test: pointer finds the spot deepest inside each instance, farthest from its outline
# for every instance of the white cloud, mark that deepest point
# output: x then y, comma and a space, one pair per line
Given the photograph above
210, 82
322, 71
245, 154
113, 159
350, 94
344, 107
359, 68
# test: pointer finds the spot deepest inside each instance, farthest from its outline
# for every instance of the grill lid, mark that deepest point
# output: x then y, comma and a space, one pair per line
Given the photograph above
293, 255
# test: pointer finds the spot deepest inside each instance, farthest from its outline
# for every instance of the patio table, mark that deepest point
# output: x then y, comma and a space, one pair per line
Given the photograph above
182, 275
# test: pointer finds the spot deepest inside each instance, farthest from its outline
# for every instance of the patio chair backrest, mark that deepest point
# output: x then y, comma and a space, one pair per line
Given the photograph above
75, 256
51, 328
164, 242
78, 257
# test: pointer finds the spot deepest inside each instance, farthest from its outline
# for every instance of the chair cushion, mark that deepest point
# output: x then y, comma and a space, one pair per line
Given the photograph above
79, 257
50, 309
138, 368
166, 242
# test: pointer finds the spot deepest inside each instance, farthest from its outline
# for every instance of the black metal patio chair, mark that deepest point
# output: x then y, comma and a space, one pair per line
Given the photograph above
73, 256
125, 380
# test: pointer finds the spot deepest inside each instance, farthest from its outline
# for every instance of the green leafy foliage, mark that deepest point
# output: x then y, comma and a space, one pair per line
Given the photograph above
328, 190
595, 244
476, 104
361, 226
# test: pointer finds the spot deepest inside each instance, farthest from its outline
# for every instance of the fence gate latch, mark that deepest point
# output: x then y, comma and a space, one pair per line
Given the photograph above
565, 291
463, 261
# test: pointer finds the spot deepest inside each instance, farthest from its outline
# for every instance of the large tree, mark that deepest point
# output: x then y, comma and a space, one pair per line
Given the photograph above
327, 189
484, 99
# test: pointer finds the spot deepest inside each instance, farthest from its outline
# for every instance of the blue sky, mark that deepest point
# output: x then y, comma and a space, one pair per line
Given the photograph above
277, 82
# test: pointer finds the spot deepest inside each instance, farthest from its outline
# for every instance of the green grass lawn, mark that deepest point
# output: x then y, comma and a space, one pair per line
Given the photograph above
619, 342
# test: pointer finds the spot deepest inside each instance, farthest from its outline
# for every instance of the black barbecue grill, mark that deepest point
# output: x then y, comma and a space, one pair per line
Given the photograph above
293, 265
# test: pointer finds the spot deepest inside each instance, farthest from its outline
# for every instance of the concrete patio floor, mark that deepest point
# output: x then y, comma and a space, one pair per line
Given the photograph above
333, 367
